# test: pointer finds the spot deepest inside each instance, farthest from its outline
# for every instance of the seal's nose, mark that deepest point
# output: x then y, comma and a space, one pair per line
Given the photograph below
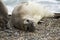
29, 26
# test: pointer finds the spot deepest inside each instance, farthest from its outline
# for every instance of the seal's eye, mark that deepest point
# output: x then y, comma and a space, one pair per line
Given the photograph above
27, 20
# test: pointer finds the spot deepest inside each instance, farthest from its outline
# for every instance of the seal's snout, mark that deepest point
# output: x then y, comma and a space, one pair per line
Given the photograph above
29, 26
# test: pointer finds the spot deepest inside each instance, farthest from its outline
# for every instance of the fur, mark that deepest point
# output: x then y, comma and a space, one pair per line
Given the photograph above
31, 11
3, 15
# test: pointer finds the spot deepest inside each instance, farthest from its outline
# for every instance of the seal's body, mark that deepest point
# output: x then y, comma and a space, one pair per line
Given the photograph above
29, 12
3, 15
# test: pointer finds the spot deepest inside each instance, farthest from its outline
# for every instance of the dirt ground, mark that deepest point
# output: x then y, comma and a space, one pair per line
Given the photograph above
48, 30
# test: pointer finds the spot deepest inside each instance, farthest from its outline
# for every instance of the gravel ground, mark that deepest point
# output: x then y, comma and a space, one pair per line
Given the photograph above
48, 30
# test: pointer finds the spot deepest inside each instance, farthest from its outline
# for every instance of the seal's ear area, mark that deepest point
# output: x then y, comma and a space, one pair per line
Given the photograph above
29, 26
